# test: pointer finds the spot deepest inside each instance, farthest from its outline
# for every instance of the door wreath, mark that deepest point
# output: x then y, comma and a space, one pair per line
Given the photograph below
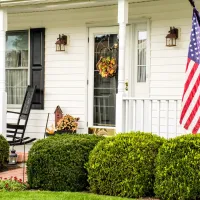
107, 64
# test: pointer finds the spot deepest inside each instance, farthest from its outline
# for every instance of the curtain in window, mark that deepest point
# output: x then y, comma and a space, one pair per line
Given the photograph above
16, 66
16, 77
141, 65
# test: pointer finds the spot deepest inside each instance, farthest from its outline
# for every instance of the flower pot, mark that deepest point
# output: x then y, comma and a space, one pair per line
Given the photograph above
47, 134
64, 132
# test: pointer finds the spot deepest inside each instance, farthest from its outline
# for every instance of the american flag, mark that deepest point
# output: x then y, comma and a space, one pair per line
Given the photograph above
190, 115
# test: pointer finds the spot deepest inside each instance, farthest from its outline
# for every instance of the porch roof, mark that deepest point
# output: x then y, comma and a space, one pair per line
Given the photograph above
14, 6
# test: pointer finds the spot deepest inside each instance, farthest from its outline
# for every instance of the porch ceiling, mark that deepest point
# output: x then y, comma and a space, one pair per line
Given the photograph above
16, 6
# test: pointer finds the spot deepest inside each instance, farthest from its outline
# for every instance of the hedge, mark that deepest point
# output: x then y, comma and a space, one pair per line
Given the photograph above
124, 165
178, 169
4, 151
57, 163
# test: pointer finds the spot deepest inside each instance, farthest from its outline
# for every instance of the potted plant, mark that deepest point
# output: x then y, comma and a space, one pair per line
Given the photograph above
67, 124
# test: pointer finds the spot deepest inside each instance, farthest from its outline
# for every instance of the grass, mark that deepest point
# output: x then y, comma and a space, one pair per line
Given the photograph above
41, 195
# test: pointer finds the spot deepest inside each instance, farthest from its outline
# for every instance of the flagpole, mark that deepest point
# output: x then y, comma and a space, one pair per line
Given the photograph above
192, 3
195, 10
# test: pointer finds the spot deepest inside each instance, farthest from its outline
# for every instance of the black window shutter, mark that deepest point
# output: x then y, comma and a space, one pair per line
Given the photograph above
37, 53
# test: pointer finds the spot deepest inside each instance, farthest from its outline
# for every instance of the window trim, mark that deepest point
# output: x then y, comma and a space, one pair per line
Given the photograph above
18, 106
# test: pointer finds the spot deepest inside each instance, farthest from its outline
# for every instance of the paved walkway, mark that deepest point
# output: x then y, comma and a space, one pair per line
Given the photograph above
14, 173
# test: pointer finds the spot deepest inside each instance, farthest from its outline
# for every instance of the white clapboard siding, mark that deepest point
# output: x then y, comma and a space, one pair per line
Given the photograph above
66, 73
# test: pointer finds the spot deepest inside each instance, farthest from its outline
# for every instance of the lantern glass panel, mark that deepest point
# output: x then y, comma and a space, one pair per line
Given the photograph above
62, 47
170, 41
57, 47
174, 41
13, 158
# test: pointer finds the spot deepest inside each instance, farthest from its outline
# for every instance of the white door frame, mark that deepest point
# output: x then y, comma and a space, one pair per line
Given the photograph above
129, 65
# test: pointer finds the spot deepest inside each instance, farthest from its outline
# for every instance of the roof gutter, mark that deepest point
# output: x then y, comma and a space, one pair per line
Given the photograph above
11, 3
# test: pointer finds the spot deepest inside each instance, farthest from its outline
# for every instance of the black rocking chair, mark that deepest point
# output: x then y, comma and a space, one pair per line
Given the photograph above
16, 131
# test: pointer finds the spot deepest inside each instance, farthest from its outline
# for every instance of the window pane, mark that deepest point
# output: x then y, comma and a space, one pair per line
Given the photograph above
141, 51
16, 87
16, 65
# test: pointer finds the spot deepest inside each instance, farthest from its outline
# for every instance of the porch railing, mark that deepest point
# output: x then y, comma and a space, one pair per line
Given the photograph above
156, 115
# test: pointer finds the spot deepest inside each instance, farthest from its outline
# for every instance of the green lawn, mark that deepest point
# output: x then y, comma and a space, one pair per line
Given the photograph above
37, 195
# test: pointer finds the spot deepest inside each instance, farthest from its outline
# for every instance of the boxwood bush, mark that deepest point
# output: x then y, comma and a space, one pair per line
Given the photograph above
57, 163
178, 169
4, 151
124, 165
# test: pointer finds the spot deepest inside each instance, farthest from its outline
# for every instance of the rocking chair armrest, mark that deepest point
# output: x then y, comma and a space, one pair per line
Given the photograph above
16, 112
12, 112
11, 136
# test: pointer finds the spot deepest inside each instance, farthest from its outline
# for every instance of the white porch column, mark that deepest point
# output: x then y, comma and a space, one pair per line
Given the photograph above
122, 20
3, 95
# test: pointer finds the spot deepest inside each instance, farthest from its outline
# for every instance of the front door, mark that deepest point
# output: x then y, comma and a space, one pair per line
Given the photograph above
103, 76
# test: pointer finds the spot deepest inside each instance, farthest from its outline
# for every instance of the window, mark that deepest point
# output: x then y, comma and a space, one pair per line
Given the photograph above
141, 62
16, 66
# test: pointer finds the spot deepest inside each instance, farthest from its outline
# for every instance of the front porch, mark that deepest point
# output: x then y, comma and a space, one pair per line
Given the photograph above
151, 104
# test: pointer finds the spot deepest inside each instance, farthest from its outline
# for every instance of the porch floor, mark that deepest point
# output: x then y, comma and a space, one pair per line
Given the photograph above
14, 173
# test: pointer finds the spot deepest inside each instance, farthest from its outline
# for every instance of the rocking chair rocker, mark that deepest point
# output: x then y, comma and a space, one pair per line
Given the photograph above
17, 131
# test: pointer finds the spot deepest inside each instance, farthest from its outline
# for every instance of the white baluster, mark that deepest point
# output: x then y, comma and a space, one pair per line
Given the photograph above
142, 115
175, 117
158, 117
167, 118
134, 114
126, 118
150, 115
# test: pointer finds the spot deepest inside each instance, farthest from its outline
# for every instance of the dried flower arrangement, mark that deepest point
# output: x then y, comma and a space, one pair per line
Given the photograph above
107, 66
67, 124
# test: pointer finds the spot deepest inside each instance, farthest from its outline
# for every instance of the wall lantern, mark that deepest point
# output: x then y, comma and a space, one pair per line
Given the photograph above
12, 157
61, 42
172, 37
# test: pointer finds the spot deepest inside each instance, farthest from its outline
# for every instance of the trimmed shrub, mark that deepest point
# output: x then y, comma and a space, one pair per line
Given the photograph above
124, 165
4, 151
178, 169
57, 163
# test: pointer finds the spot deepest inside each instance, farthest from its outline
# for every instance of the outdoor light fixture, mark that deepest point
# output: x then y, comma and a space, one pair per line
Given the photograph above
172, 37
12, 157
61, 42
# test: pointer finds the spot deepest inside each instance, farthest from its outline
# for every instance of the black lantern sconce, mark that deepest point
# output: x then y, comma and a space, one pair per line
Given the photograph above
61, 43
12, 157
172, 37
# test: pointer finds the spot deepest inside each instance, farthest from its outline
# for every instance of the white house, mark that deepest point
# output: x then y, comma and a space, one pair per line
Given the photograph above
135, 30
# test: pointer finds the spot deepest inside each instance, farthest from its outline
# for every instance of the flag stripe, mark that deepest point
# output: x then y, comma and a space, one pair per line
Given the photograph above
197, 126
190, 76
189, 100
192, 114
187, 64
191, 85
194, 121
190, 108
